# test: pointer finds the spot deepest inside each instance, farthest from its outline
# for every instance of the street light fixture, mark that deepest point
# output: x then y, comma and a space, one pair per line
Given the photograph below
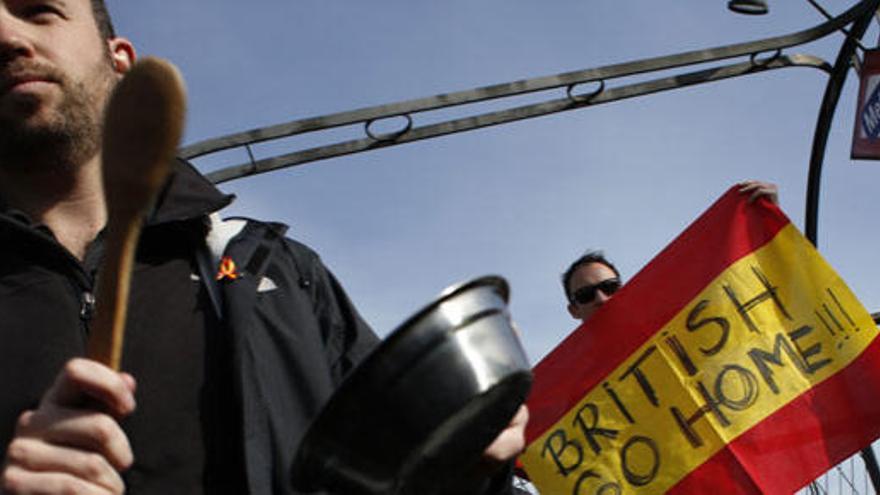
750, 7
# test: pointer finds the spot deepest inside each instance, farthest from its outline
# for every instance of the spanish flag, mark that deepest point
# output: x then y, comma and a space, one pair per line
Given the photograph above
736, 362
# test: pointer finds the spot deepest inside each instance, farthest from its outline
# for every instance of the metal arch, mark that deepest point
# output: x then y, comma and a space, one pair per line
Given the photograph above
569, 102
565, 80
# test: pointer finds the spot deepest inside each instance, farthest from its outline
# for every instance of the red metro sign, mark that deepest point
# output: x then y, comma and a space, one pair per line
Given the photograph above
866, 133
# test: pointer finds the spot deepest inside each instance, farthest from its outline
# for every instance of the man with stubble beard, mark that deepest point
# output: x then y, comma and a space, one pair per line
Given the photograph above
224, 391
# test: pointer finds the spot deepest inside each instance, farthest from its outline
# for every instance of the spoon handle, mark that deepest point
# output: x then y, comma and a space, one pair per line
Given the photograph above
108, 328
142, 129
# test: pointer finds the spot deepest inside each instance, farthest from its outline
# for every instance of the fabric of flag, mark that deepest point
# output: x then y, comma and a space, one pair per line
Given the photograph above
737, 361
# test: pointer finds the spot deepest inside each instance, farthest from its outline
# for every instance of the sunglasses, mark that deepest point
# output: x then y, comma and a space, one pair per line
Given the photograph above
587, 293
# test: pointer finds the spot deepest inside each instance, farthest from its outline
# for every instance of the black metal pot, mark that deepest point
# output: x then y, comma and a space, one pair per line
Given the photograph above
421, 409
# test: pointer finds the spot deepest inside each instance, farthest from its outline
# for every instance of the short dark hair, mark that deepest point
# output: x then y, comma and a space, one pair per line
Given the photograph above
587, 258
102, 18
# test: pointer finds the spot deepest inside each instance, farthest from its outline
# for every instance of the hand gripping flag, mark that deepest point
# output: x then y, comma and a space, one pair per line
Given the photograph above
736, 362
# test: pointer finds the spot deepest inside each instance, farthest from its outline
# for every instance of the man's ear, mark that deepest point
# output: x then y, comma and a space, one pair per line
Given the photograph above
122, 54
573, 311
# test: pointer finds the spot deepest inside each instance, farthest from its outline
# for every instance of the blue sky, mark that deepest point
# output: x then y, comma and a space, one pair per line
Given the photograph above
521, 200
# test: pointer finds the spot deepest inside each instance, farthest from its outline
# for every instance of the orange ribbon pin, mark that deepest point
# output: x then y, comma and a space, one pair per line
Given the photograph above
227, 269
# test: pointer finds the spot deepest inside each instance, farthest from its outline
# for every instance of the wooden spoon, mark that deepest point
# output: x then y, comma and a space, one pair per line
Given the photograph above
142, 130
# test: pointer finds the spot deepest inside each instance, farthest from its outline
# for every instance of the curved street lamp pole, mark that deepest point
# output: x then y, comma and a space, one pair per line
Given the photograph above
817, 158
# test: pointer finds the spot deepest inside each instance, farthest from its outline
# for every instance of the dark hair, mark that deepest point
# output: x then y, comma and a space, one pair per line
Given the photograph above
587, 258
102, 18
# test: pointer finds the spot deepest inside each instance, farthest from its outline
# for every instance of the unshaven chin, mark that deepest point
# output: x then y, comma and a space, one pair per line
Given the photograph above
61, 136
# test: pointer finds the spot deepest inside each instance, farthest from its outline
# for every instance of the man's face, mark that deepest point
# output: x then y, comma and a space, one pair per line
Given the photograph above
585, 278
55, 75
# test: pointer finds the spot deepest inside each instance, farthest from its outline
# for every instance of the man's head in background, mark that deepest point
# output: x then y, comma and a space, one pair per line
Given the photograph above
588, 283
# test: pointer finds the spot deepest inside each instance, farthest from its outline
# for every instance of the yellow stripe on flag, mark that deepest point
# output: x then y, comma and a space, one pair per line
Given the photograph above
766, 330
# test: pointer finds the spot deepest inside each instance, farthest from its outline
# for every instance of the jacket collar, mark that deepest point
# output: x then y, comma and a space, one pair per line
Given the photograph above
187, 195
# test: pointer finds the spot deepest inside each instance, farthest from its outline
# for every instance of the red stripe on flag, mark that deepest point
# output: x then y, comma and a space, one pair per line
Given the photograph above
723, 474
729, 230
791, 448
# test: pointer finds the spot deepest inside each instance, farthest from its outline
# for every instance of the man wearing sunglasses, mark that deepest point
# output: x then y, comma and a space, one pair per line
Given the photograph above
591, 280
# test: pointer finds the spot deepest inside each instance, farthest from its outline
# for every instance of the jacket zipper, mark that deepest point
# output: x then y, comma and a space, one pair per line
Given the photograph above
87, 309
80, 282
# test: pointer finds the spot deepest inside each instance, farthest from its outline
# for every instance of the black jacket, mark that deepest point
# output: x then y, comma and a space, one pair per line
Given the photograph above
288, 331
292, 346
